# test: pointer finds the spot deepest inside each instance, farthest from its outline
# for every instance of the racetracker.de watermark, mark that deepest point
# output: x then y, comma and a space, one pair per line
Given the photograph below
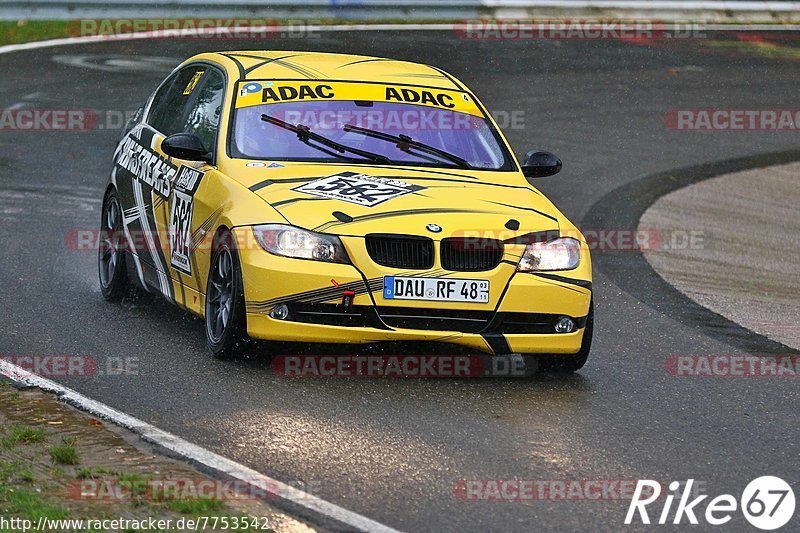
576, 29
72, 120
68, 365
550, 490
598, 240
160, 489
409, 120
733, 366
711, 119
194, 28
402, 366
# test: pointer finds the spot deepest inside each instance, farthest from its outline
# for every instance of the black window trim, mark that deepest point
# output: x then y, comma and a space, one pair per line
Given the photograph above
173, 75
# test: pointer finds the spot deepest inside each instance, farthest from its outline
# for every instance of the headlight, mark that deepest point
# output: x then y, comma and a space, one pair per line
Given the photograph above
560, 254
289, 241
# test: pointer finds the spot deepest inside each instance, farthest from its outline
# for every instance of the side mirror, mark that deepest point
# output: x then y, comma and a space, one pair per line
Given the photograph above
540, 164
186, 146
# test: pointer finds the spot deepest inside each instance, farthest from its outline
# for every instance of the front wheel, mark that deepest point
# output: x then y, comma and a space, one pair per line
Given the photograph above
114, 282
573, 362
226, 329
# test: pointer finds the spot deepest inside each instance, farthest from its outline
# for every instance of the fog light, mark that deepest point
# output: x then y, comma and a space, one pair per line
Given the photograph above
565, 325
280, 312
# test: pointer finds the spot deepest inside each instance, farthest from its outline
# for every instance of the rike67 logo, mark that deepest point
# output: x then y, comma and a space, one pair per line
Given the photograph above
767, 503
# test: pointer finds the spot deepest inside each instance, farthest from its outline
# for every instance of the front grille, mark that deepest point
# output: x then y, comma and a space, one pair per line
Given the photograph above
471, 255
400, 251
435, 319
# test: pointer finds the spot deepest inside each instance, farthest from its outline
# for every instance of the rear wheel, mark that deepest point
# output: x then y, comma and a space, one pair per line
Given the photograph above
114, 282
226, 331
572, 362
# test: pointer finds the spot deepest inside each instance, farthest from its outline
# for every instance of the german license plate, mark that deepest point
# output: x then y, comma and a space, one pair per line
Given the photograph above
436, 289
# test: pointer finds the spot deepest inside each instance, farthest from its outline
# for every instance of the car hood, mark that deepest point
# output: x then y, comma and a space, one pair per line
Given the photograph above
356, 200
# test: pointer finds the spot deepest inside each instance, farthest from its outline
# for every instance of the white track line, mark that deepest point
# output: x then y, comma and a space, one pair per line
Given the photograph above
195, 453
460, 26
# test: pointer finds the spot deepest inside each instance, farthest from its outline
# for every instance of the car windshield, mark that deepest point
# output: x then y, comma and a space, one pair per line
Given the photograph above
434, 136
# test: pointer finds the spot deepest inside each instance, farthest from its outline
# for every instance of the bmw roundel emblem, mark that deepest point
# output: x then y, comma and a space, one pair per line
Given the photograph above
433, 228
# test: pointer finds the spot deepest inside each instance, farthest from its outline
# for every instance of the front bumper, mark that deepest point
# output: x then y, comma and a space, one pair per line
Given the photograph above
519, 317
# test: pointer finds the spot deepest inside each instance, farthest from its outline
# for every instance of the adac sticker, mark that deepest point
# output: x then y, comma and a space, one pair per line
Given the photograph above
253, 93
358, 189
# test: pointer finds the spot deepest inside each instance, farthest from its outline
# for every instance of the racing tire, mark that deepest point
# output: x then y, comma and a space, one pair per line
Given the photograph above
564, 364
225, 319
114, 281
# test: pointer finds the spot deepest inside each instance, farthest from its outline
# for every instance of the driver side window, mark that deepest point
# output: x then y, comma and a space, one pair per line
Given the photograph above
190, 102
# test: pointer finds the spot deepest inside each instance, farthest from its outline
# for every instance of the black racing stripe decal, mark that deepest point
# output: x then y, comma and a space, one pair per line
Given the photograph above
372, 60
391, 214
266, 306
554, 219
551, 282
300, 70
261, 185
279, 61
427, 170
428, 76
572, 281
267, 183
330, 293
325, 292
449, 77
497, 342
294, 200
266, 61
238, 64
203, 229
534, 236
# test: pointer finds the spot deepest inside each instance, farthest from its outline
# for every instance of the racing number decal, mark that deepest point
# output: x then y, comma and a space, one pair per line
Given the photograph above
358, 189
180, 218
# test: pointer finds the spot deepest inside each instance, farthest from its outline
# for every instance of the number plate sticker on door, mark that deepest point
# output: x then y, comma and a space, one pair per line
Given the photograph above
436, 289
358, 189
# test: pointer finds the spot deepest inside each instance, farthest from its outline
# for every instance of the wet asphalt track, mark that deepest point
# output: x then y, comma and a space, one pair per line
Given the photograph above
393, 449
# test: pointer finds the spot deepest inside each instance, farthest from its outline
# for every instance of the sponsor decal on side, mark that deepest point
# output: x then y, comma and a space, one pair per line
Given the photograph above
193, 82
180, 218
146, 165
360, 189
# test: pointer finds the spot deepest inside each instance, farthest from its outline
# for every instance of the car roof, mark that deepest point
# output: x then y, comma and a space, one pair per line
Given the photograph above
272, 65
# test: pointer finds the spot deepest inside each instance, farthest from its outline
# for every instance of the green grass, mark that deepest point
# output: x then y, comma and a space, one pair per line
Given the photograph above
14, 471
12, 32
91, 472
65, 453
26, 504
22, 434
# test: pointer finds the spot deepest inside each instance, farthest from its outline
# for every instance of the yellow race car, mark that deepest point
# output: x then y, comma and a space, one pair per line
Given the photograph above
314, 197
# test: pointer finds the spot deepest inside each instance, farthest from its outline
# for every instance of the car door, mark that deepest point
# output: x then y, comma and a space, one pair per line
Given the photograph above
192, 209
145, 178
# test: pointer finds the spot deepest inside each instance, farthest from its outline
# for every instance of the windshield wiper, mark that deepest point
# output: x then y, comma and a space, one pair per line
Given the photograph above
305, 135
405, 143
